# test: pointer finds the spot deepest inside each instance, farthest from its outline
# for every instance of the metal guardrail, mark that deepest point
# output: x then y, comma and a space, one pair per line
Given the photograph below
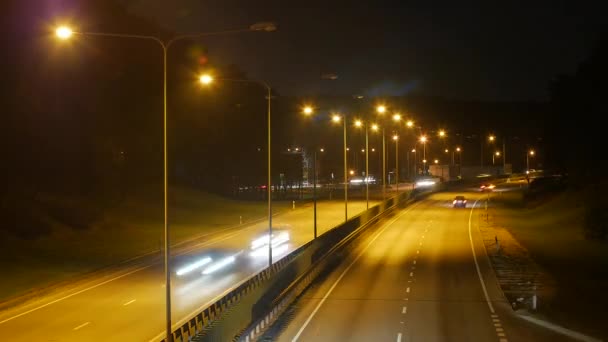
267, 293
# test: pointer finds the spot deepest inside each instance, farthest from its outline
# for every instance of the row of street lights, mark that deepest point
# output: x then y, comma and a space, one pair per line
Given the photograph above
66, 33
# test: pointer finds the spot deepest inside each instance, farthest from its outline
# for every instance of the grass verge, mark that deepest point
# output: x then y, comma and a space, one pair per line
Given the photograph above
552, 233
131, 229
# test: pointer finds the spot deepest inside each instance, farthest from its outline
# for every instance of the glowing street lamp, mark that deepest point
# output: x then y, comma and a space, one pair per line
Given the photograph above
381, 109
442, 134
409, 123
65, 33
396, 117
423, 140
528, 155
307, 110
205, 79
336, 118
495, 155
436, 161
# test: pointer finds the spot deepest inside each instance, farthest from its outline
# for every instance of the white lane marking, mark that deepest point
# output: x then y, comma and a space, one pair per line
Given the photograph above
423, 236
411, 274
407, 290
74, 294
129, 302
418, 251
498, 325
404, 310
501, 334
503, 340
483, 285
420, 243
414, 262
494, 315
500, 329
82, 325
559, 329
495, 320
333, 286
399, 337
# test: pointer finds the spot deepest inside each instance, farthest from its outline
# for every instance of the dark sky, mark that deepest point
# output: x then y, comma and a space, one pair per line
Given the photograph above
489, 50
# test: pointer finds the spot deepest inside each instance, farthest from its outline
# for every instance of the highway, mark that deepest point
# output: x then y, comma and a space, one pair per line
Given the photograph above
129, 304
422, 276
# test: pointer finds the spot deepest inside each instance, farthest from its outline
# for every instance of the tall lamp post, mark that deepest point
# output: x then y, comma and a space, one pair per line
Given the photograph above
381, 109
308, 110
396, 139
208, 79
528, 155
337, 118
495, 155
459, 150
359, 123
65, 33
423, 140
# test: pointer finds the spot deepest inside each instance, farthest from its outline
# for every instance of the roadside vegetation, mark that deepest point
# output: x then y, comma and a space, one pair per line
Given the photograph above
554, 227
53, 238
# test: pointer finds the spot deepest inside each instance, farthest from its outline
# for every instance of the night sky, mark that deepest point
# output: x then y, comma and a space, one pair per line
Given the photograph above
486, 50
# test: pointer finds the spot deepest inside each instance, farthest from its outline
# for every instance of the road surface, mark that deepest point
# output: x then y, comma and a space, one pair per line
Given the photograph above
415, 279
129, 305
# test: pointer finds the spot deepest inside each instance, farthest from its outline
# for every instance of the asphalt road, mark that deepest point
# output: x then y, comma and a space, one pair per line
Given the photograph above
415, 279
129, 304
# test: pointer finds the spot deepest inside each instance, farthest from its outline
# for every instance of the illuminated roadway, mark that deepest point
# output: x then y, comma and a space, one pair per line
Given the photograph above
414, 279
129, 304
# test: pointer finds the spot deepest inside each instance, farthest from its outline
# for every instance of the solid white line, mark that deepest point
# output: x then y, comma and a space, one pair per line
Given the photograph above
483, 285
73, 294
399, 337
404, 310
559, 329
129, 302
82, 325
333, 286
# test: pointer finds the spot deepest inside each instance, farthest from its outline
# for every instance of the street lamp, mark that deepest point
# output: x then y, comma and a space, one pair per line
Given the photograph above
459, 150
65, 33
359, 123
496, 154
396, 139
423, 140
208, 79
336, 119
381, 109
442, 134
528, 155
307, 110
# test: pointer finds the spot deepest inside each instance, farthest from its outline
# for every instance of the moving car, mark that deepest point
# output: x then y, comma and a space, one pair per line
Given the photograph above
487, 187
459, 202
